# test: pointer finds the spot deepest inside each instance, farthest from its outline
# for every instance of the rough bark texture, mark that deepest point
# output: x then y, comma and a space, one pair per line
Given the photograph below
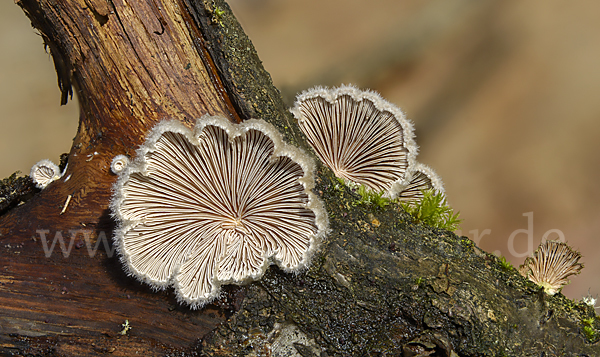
381, 285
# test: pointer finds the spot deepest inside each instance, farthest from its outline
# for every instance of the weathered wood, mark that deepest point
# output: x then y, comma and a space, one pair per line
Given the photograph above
380, 285
131, 64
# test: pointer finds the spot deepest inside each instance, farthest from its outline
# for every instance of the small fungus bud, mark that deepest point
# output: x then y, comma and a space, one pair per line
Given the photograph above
119, 163
44, 172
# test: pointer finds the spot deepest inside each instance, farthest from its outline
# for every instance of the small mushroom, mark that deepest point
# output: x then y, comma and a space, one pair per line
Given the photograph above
550, 266
420, 178
119, 163
44, 172
216, 205
361, 137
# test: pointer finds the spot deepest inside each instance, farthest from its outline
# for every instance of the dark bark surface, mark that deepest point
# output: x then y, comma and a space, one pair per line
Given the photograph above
380, 285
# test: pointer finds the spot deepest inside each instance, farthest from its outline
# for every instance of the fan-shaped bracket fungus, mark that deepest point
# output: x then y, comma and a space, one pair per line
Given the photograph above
44, 172
215, 205
420, 178
550, 266
361, 137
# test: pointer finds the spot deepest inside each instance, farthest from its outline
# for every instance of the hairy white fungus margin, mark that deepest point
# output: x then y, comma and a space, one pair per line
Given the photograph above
215, 205
360, 136
44, 172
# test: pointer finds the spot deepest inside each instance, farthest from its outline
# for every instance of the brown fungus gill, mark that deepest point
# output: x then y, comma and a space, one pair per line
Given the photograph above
216, 205
364, 140
44, 172
550, 266
361, 137
420, 178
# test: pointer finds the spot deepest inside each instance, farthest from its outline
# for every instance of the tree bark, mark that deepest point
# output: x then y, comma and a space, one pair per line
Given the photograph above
380, 285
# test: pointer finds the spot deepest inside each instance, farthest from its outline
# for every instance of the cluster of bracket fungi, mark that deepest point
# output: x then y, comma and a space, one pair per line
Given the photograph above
364, 140
197, 209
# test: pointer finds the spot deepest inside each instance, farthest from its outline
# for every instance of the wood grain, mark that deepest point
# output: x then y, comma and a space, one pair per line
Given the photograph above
131, 64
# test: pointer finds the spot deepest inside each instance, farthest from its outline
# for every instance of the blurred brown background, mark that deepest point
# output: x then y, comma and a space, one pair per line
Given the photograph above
505, 97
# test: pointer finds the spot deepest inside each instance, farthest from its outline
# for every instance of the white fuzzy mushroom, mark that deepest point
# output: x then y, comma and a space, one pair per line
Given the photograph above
118, 164
550, 266
360, 136
44, 172
216, 205
420, 178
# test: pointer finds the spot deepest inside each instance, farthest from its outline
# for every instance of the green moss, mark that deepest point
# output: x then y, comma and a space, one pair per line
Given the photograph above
467, 244
433, 210
339, 186
505, 264
589, 331
371, 198
218, 14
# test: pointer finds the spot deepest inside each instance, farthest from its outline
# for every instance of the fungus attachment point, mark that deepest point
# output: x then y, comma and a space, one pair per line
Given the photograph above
357, 134
44, 172
200, 209
119, 163
550, 266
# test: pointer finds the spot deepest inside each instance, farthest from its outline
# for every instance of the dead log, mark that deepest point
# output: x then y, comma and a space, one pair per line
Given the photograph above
381, 284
